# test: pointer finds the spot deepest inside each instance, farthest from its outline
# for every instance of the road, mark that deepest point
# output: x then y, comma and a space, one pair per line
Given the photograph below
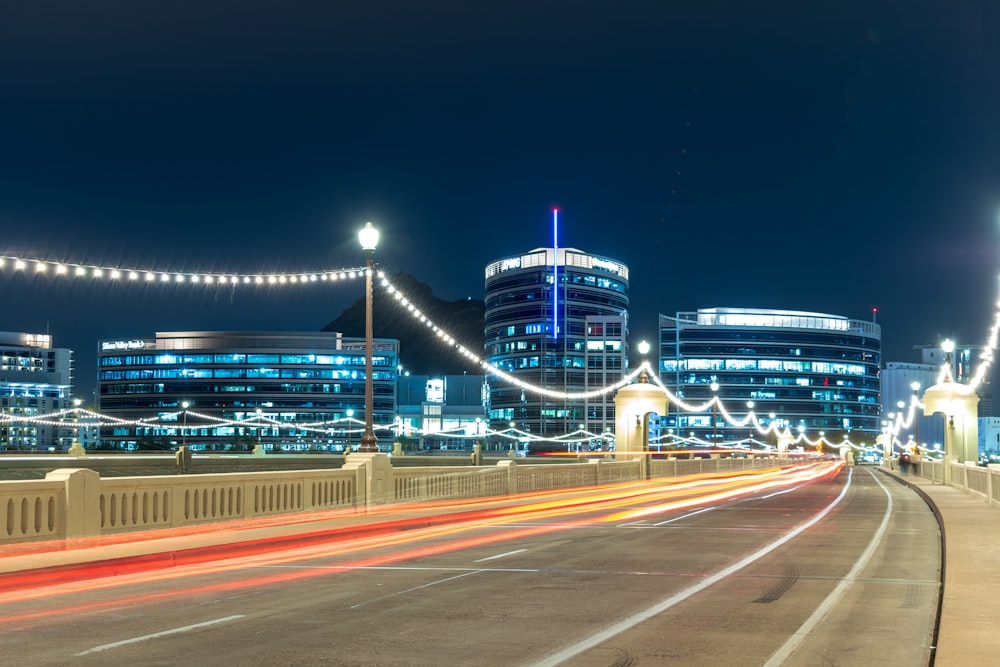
843, 569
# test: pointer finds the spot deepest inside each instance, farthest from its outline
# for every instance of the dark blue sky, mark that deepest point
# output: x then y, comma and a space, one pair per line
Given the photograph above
832, 157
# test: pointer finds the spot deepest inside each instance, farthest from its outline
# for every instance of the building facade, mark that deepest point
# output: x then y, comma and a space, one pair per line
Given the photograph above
812, 372
900, 383
35, 379
445, 412
310, 385
556, 318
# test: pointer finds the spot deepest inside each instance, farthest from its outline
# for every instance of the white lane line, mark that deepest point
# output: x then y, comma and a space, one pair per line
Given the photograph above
839, 591
778, 493
165, 633
685, 516
677, 598
509, 553
415, 588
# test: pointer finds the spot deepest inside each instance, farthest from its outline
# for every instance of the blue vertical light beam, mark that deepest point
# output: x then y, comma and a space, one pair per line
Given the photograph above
555, 273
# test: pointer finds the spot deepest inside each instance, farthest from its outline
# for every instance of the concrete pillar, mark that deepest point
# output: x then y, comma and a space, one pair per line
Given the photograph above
82, 511
183, 460
374, 474
633, 405
847, 454
960, 406
511, 466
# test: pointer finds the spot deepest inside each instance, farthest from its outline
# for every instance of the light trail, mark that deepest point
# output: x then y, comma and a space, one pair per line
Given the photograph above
452, 534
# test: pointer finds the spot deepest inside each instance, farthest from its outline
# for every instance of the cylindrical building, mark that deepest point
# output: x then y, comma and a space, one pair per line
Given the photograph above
556, 318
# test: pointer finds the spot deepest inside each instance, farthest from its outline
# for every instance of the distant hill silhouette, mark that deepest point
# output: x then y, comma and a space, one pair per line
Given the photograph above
421, 352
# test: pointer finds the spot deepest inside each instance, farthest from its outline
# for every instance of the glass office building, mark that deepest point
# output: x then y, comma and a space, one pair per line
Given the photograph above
557, 318
810, 371
35, 379
300, 379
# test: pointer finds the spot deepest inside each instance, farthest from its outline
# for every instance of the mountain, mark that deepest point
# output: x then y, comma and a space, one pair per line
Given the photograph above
421, 352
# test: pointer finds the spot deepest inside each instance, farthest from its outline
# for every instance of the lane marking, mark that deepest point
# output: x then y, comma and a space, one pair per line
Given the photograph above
165, 633
778, 493
509, 553
839, 591
716, 507
658, 608
415, 588
685, 516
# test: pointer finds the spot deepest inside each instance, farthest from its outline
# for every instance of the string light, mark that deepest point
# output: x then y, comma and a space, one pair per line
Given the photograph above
750, 420
115, 273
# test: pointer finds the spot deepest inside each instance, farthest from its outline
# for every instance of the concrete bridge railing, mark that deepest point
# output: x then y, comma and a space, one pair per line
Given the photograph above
78, 502
972, 478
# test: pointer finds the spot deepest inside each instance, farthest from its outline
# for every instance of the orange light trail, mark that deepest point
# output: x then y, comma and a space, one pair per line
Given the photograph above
357, 540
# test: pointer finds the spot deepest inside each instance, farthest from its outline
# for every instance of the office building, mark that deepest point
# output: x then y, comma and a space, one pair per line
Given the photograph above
310, 382
812, 372
445, 412
35, 379
897, 386
556, 318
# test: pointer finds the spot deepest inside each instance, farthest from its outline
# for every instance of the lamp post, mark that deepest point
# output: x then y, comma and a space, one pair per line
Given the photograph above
184, 406
259, 415
915, 386
750, 405
368, 236
715, 406
76, 424
347, 431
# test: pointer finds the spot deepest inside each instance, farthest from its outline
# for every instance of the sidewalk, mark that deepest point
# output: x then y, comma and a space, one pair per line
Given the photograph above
970, 610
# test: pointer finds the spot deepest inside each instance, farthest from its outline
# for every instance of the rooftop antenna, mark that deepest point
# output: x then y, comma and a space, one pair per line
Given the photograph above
555, 273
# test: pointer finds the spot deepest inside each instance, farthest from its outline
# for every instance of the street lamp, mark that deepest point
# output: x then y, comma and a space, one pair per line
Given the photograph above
259, 414
915, 386
184, 405
368, 236
750, 405
643, 350
715, 406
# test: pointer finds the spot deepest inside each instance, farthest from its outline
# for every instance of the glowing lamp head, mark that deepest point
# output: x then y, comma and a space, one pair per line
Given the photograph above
714, 386
915, 386
948, 346
368, 237
185, 404
643, 347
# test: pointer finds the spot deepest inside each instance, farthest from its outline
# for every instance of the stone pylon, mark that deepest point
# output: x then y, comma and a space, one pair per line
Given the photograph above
633, 405
960, 406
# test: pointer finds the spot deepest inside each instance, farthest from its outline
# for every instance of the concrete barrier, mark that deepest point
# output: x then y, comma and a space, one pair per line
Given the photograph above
970, 477
78, 502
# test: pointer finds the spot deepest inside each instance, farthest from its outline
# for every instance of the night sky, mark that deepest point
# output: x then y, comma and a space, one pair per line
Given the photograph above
823, 156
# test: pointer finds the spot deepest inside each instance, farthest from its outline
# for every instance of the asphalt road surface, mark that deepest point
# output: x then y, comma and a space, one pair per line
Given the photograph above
839, 570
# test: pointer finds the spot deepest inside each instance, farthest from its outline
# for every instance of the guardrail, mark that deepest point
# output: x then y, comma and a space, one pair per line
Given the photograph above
974, 479
77, 502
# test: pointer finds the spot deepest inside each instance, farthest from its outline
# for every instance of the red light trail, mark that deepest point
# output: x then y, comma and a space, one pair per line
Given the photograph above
425, 536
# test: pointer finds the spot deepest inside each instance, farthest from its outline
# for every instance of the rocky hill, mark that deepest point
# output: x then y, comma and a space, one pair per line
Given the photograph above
421, 352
